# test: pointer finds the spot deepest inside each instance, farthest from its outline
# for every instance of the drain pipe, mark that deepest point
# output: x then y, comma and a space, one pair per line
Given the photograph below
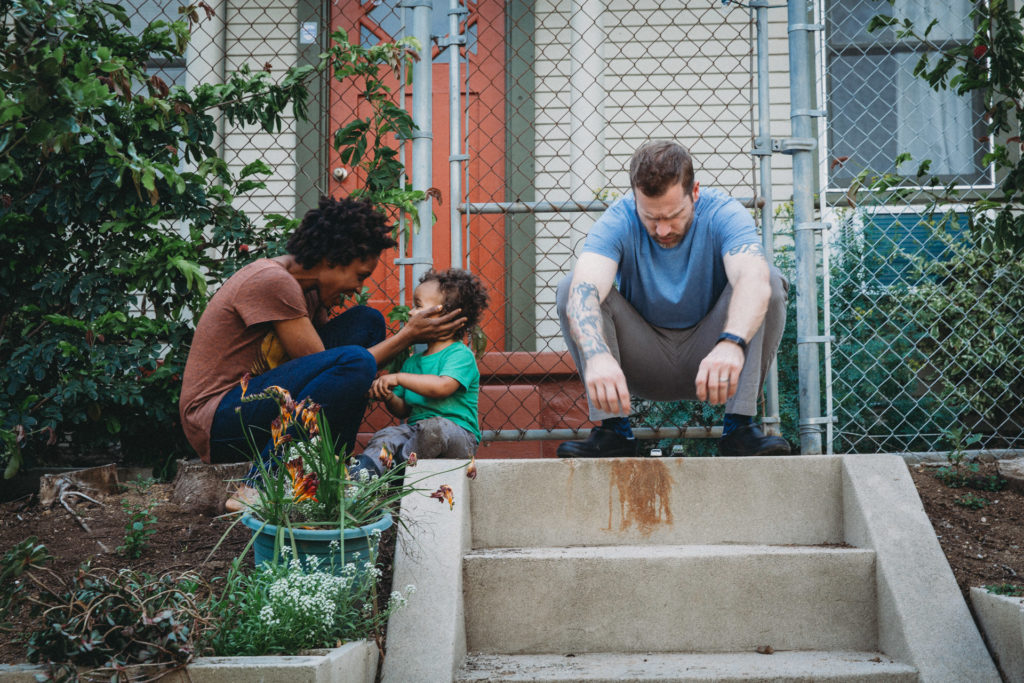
455, 156
422, 93
208, 48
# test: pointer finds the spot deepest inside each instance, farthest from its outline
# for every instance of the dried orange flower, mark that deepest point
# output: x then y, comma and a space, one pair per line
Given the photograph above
444, 492
411, 460
245, 383
471, 470
386, 458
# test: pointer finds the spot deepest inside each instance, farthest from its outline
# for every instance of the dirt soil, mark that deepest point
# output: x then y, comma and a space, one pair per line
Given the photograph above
983, 546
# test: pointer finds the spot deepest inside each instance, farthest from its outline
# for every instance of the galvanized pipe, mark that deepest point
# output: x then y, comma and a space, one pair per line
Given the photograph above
455, 156
764, 146
800, 85
569, 206
564, 434
422, 93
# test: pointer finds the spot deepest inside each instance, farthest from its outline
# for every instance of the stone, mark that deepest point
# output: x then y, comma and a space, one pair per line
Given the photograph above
1013, 472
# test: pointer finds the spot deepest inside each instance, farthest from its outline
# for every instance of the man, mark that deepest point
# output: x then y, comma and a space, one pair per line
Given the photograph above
698, 313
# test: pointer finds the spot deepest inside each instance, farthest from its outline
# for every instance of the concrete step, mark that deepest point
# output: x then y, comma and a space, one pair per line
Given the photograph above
792, 499
792, 667
669, 598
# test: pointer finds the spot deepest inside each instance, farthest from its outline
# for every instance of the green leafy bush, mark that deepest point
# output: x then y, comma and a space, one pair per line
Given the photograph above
971, 501
1012, 590
116, 216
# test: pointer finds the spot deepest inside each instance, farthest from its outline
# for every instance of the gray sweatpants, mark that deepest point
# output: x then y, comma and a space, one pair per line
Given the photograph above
434, 437
661, 364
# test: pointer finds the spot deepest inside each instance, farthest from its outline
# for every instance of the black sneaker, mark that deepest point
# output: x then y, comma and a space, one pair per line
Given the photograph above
750, 440
602, 443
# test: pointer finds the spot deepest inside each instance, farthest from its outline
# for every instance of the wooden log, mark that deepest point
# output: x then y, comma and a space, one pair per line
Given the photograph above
95, 481
205, 488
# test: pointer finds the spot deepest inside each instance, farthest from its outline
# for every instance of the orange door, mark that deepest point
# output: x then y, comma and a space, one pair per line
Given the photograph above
379, 20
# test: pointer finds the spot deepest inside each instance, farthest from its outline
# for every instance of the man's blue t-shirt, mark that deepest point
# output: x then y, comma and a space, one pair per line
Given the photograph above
676, 287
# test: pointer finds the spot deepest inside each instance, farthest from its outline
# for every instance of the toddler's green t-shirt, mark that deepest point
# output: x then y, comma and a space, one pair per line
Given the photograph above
455, 361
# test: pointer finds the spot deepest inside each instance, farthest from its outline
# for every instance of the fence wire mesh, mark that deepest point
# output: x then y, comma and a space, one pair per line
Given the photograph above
555, 95
929, 347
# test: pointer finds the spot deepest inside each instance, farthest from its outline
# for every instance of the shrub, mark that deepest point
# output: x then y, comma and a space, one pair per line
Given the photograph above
116, 216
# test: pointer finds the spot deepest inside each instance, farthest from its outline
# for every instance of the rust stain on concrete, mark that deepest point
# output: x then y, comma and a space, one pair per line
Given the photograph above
644, 488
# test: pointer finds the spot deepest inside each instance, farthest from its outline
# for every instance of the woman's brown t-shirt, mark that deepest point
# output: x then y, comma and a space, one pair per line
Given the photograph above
235, 335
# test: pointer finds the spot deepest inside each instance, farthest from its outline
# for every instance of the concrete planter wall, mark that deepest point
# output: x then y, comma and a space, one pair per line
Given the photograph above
351, 663
1002, 620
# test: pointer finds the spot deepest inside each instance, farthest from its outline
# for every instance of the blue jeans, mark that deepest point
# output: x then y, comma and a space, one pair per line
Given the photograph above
338, 379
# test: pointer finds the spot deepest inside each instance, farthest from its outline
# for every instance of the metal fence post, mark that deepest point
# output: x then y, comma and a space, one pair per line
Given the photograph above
763, 151
422, 96
801, 146
455, 155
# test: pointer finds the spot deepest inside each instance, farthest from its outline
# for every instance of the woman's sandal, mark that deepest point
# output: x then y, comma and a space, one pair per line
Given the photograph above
242, 498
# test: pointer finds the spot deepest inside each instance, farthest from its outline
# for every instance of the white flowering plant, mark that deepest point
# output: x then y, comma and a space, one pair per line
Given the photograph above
285, 608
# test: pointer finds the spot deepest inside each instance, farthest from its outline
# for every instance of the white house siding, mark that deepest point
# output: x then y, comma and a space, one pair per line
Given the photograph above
682, 73
259, 33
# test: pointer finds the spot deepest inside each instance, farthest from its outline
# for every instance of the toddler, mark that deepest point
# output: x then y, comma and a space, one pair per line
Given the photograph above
436, 391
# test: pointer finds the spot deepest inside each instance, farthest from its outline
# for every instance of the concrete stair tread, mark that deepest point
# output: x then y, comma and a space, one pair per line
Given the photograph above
655, 551
664, 667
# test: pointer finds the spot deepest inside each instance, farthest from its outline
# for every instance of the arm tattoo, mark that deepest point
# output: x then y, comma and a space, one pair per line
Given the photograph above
754, 249
585, 322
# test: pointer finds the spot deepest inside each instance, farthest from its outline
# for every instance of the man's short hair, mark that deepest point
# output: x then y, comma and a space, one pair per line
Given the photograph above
659, 164
340, 231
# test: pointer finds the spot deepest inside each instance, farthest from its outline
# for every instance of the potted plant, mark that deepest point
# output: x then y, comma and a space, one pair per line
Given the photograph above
307, 502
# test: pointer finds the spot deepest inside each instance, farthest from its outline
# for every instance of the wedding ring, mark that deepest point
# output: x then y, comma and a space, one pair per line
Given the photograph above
724, 378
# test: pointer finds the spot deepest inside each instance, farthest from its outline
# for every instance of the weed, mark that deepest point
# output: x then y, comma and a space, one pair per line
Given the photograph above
971, 501
958, 474
1007, 589
143, 484
141, 525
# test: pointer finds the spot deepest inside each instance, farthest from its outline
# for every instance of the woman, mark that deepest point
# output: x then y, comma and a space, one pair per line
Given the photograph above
269, 320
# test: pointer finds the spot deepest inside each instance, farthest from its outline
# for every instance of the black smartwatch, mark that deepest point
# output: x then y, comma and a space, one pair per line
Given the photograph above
735, 339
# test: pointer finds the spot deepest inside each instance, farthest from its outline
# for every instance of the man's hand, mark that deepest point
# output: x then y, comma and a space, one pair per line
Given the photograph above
383, 387
606, 384
719, 373
429, 324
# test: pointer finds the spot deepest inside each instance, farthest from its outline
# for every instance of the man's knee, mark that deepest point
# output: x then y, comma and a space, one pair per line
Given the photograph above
779, 294
562, 295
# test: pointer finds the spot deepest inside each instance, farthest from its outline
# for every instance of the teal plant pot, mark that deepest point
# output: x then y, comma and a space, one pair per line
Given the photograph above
314, 545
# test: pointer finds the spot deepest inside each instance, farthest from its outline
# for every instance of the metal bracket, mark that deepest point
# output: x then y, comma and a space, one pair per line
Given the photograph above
807, 27
790, 145
459, 157
448, 42
417, 3
414, 260
761, 152
817, 113
418, 135
816, 339
460, 11
814, 225
818, 420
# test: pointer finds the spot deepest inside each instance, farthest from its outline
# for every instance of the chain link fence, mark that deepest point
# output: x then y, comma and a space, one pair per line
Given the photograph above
928, 323
554, 96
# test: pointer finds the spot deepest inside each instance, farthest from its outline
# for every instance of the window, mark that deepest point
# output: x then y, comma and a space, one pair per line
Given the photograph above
878, 108
142, 13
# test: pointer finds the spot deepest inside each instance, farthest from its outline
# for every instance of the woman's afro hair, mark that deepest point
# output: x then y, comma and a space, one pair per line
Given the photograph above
340, 231
460, 289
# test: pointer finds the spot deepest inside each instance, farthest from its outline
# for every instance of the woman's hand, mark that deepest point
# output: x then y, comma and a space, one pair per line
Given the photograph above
429, 324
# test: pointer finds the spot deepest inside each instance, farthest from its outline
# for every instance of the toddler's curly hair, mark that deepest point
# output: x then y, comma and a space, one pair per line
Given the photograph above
461, 289
340, 231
